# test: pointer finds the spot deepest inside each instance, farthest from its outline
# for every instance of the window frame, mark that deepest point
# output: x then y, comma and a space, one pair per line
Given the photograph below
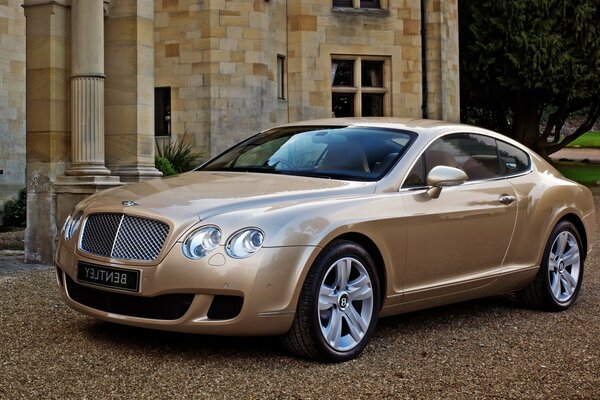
471, 182
360, 4
281, 77
357, 90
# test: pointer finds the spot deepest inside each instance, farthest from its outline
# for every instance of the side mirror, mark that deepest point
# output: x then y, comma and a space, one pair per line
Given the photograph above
443, 176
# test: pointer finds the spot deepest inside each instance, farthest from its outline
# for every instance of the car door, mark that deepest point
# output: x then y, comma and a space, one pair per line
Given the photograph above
457, 242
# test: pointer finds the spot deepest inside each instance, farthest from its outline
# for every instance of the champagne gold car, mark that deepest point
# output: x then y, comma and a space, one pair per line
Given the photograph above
312, 231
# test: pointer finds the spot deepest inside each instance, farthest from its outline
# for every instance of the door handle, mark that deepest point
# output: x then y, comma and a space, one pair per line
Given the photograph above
506, 199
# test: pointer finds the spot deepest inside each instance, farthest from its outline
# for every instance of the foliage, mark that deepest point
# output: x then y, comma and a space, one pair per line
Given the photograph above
586, 174
164, 165
522, 60
15, 210
180, 155
590, 139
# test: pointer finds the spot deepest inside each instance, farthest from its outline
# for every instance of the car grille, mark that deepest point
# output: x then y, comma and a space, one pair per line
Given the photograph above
123, 236
163, 307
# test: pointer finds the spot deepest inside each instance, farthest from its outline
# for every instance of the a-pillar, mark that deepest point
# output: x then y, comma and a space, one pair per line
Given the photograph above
129, 96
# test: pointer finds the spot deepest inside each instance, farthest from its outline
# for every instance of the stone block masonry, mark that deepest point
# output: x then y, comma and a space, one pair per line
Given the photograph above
12, 100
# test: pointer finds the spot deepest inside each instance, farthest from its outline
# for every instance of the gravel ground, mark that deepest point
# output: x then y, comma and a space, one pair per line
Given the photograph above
12, 239
491, 348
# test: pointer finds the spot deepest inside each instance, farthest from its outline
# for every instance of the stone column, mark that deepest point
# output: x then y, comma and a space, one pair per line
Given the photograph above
47, 98
129, 97
302, 54
87, 89
442, 60
87, 173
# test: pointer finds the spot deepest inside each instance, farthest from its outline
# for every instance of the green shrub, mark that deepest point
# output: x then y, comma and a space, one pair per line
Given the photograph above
164, 166
15, 210
180, 155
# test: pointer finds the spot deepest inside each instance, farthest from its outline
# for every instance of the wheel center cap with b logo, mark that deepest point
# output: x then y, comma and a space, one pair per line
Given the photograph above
343, 301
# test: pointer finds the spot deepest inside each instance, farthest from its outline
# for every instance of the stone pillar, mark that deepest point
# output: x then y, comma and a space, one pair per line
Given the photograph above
303, 52
87, 173
129, 111
48, 132
442, 60
61, 94
87, 89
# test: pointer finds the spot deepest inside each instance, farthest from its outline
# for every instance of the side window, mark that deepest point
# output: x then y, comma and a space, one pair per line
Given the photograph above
416, 176
513, 160
477, 155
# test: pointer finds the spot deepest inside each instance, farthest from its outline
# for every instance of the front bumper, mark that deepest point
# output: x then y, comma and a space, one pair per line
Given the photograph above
269, 283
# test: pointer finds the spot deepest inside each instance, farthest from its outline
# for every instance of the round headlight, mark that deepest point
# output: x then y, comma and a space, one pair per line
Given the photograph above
201, 242
244, 243
71, 225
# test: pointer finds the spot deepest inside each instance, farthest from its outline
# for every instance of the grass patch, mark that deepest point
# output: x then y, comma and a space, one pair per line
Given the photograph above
586, 174
590, 139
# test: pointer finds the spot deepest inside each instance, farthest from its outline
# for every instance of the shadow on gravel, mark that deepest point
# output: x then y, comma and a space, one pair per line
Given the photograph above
190, 346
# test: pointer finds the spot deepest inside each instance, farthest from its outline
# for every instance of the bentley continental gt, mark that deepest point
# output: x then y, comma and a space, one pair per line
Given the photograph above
312, 231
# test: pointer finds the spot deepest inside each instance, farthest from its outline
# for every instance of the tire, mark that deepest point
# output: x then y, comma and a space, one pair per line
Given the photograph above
338, 327
558, 282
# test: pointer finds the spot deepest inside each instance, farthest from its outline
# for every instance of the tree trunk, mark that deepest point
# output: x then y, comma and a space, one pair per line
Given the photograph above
526, 120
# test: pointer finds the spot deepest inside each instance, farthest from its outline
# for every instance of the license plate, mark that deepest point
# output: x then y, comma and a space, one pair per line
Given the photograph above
116, 278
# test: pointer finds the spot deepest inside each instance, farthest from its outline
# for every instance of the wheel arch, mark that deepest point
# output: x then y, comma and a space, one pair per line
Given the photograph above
371, 248
575, 220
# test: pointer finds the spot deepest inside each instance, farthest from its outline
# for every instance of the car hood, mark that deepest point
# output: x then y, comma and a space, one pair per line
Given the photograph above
202, 194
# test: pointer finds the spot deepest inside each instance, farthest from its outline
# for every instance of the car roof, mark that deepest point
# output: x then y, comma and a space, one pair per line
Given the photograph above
422, 126
426, 128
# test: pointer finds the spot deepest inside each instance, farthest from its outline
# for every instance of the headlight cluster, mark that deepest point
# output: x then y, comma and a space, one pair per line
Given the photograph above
241, 244
201, 242
71, 224
244, 243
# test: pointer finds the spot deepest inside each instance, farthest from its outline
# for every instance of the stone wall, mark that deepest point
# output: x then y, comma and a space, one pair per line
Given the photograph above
12, 100
220, 59
317, 32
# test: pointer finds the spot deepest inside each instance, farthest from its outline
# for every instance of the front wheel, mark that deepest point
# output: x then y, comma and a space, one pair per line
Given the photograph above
559, 279
338, 306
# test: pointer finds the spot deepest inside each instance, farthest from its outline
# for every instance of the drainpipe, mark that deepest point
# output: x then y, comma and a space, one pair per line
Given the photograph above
424, 87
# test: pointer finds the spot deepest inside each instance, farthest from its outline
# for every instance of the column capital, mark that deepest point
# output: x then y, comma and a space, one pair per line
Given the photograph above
34, 3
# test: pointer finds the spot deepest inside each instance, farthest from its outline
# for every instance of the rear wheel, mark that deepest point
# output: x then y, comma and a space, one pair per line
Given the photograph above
558, 282
338, 306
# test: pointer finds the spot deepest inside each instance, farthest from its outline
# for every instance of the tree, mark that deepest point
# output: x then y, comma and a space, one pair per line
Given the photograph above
529, 65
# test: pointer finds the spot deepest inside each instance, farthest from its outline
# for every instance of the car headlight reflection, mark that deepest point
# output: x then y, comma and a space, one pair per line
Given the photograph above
201, 242
244, 243
71, 224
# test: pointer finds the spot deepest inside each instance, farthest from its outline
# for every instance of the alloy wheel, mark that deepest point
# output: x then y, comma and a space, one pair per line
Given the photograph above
564, 266
345, 304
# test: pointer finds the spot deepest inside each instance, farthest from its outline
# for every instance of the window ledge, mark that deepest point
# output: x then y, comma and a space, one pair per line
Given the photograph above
375, 12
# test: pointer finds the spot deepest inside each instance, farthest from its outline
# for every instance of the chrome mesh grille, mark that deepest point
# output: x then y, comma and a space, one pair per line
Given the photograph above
99, 233
123, 236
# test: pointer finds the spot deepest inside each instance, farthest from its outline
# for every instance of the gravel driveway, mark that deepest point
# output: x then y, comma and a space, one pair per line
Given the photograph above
491, 348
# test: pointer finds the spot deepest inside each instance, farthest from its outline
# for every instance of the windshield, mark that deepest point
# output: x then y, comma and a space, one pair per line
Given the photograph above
349, 153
